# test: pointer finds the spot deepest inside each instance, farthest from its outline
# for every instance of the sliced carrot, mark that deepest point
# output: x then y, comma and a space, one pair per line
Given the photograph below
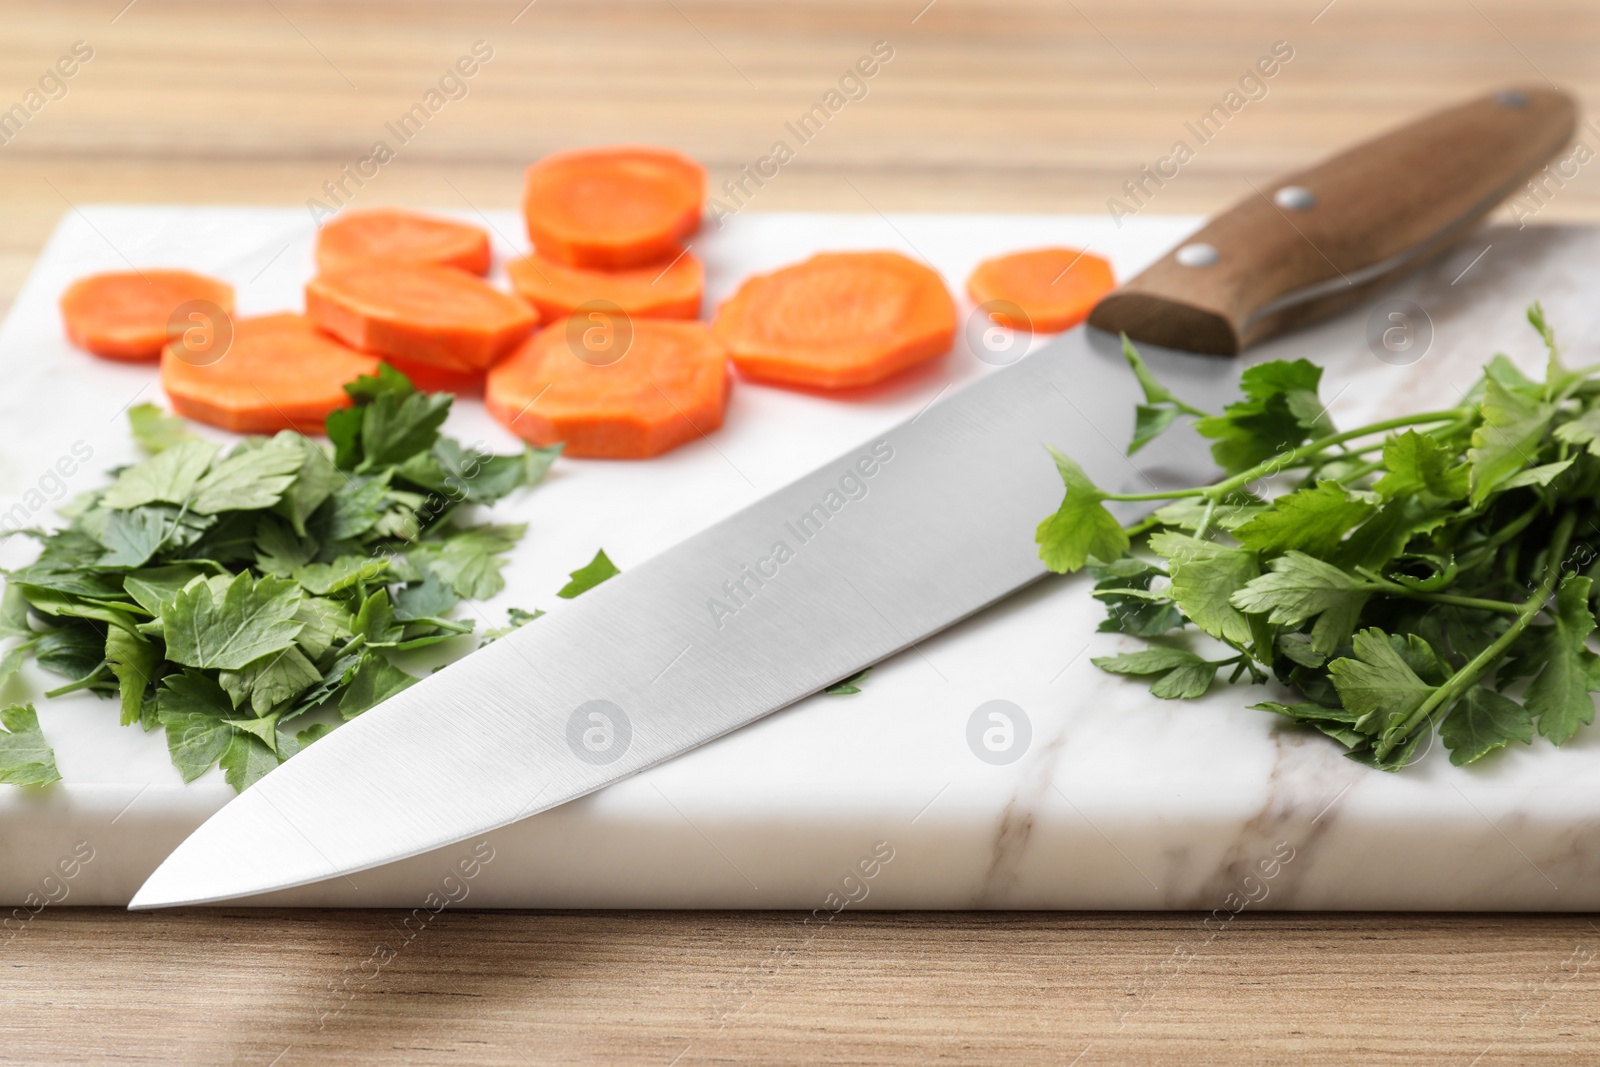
1055, 287
669, 386
393, 235
614, 207
666, 290
435, 315
128, 315
280, 373
838, 320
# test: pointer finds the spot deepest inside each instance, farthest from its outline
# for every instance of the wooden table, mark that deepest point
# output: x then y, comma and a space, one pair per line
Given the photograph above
1027, 106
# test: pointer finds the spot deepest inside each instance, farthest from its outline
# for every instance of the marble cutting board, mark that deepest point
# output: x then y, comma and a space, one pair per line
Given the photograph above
878, 800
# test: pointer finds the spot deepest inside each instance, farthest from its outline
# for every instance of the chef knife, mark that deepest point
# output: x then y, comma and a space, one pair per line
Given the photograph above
895, 540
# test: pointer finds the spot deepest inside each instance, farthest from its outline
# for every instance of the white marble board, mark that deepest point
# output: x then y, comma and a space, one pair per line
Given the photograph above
1119, 801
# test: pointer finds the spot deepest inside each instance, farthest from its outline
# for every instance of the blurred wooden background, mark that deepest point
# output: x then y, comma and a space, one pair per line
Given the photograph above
1022, 106
1029, 105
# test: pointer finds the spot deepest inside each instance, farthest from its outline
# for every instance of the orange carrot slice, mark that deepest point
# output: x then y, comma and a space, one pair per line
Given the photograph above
669, 385
615, 207
838, 320
1055, 287
395, 236
436, 315
667, 290
127, 316
280, 373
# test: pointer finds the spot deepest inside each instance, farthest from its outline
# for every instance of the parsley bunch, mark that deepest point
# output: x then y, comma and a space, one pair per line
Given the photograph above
1428, 571
225, 594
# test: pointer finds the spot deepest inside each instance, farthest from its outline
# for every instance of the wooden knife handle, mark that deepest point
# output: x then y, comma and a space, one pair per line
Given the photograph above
1321, 239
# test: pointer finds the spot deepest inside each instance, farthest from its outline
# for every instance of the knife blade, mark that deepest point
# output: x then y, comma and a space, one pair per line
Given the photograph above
872, 552
888, 543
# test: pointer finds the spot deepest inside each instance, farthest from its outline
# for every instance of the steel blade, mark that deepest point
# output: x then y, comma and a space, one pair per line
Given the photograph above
890, 542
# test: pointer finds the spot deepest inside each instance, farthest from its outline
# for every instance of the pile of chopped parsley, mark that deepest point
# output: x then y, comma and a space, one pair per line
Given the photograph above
247, 600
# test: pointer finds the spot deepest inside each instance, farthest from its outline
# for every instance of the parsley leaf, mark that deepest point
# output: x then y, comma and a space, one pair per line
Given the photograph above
313, 483
426, 598
375, 680
26, 758
1416, 463
74, 651
247, 760
394, 427
1081, 527
1160, 409
249, 479
1583, 430
1124, 586
589, 575
1184, 675
155, 430
1508, 440
848, 686
1332, 722
1279, 412
1377, 684
346, 572
271, 680
325, 623
1387, 533
11, 659
473, 476
14, 613
170, 477
195, 742
1312, 520
469, 561
1205, 575
1301, 587
249, 619
133, 659
1149, 422
1482, 722
1560, 695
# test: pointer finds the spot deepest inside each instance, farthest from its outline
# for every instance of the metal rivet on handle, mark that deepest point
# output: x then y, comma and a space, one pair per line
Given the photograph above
1198, 254
1295, 198
1511, 98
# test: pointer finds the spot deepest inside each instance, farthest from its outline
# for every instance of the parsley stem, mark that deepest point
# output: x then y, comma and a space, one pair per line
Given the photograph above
1149, 522
1294, 456
1169, 494
97, 680
1363, 470
1514, 527
1468, 675
1503, 607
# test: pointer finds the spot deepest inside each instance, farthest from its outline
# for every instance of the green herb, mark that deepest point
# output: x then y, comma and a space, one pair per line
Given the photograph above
517, 618
589, 575
25, 757
231, 595
849, 685
1432, 571
155, 430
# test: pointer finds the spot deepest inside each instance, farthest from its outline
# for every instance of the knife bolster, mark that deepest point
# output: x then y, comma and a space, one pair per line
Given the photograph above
1164, 321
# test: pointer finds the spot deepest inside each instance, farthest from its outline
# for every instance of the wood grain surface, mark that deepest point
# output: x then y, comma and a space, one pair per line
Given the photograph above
1026, 106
